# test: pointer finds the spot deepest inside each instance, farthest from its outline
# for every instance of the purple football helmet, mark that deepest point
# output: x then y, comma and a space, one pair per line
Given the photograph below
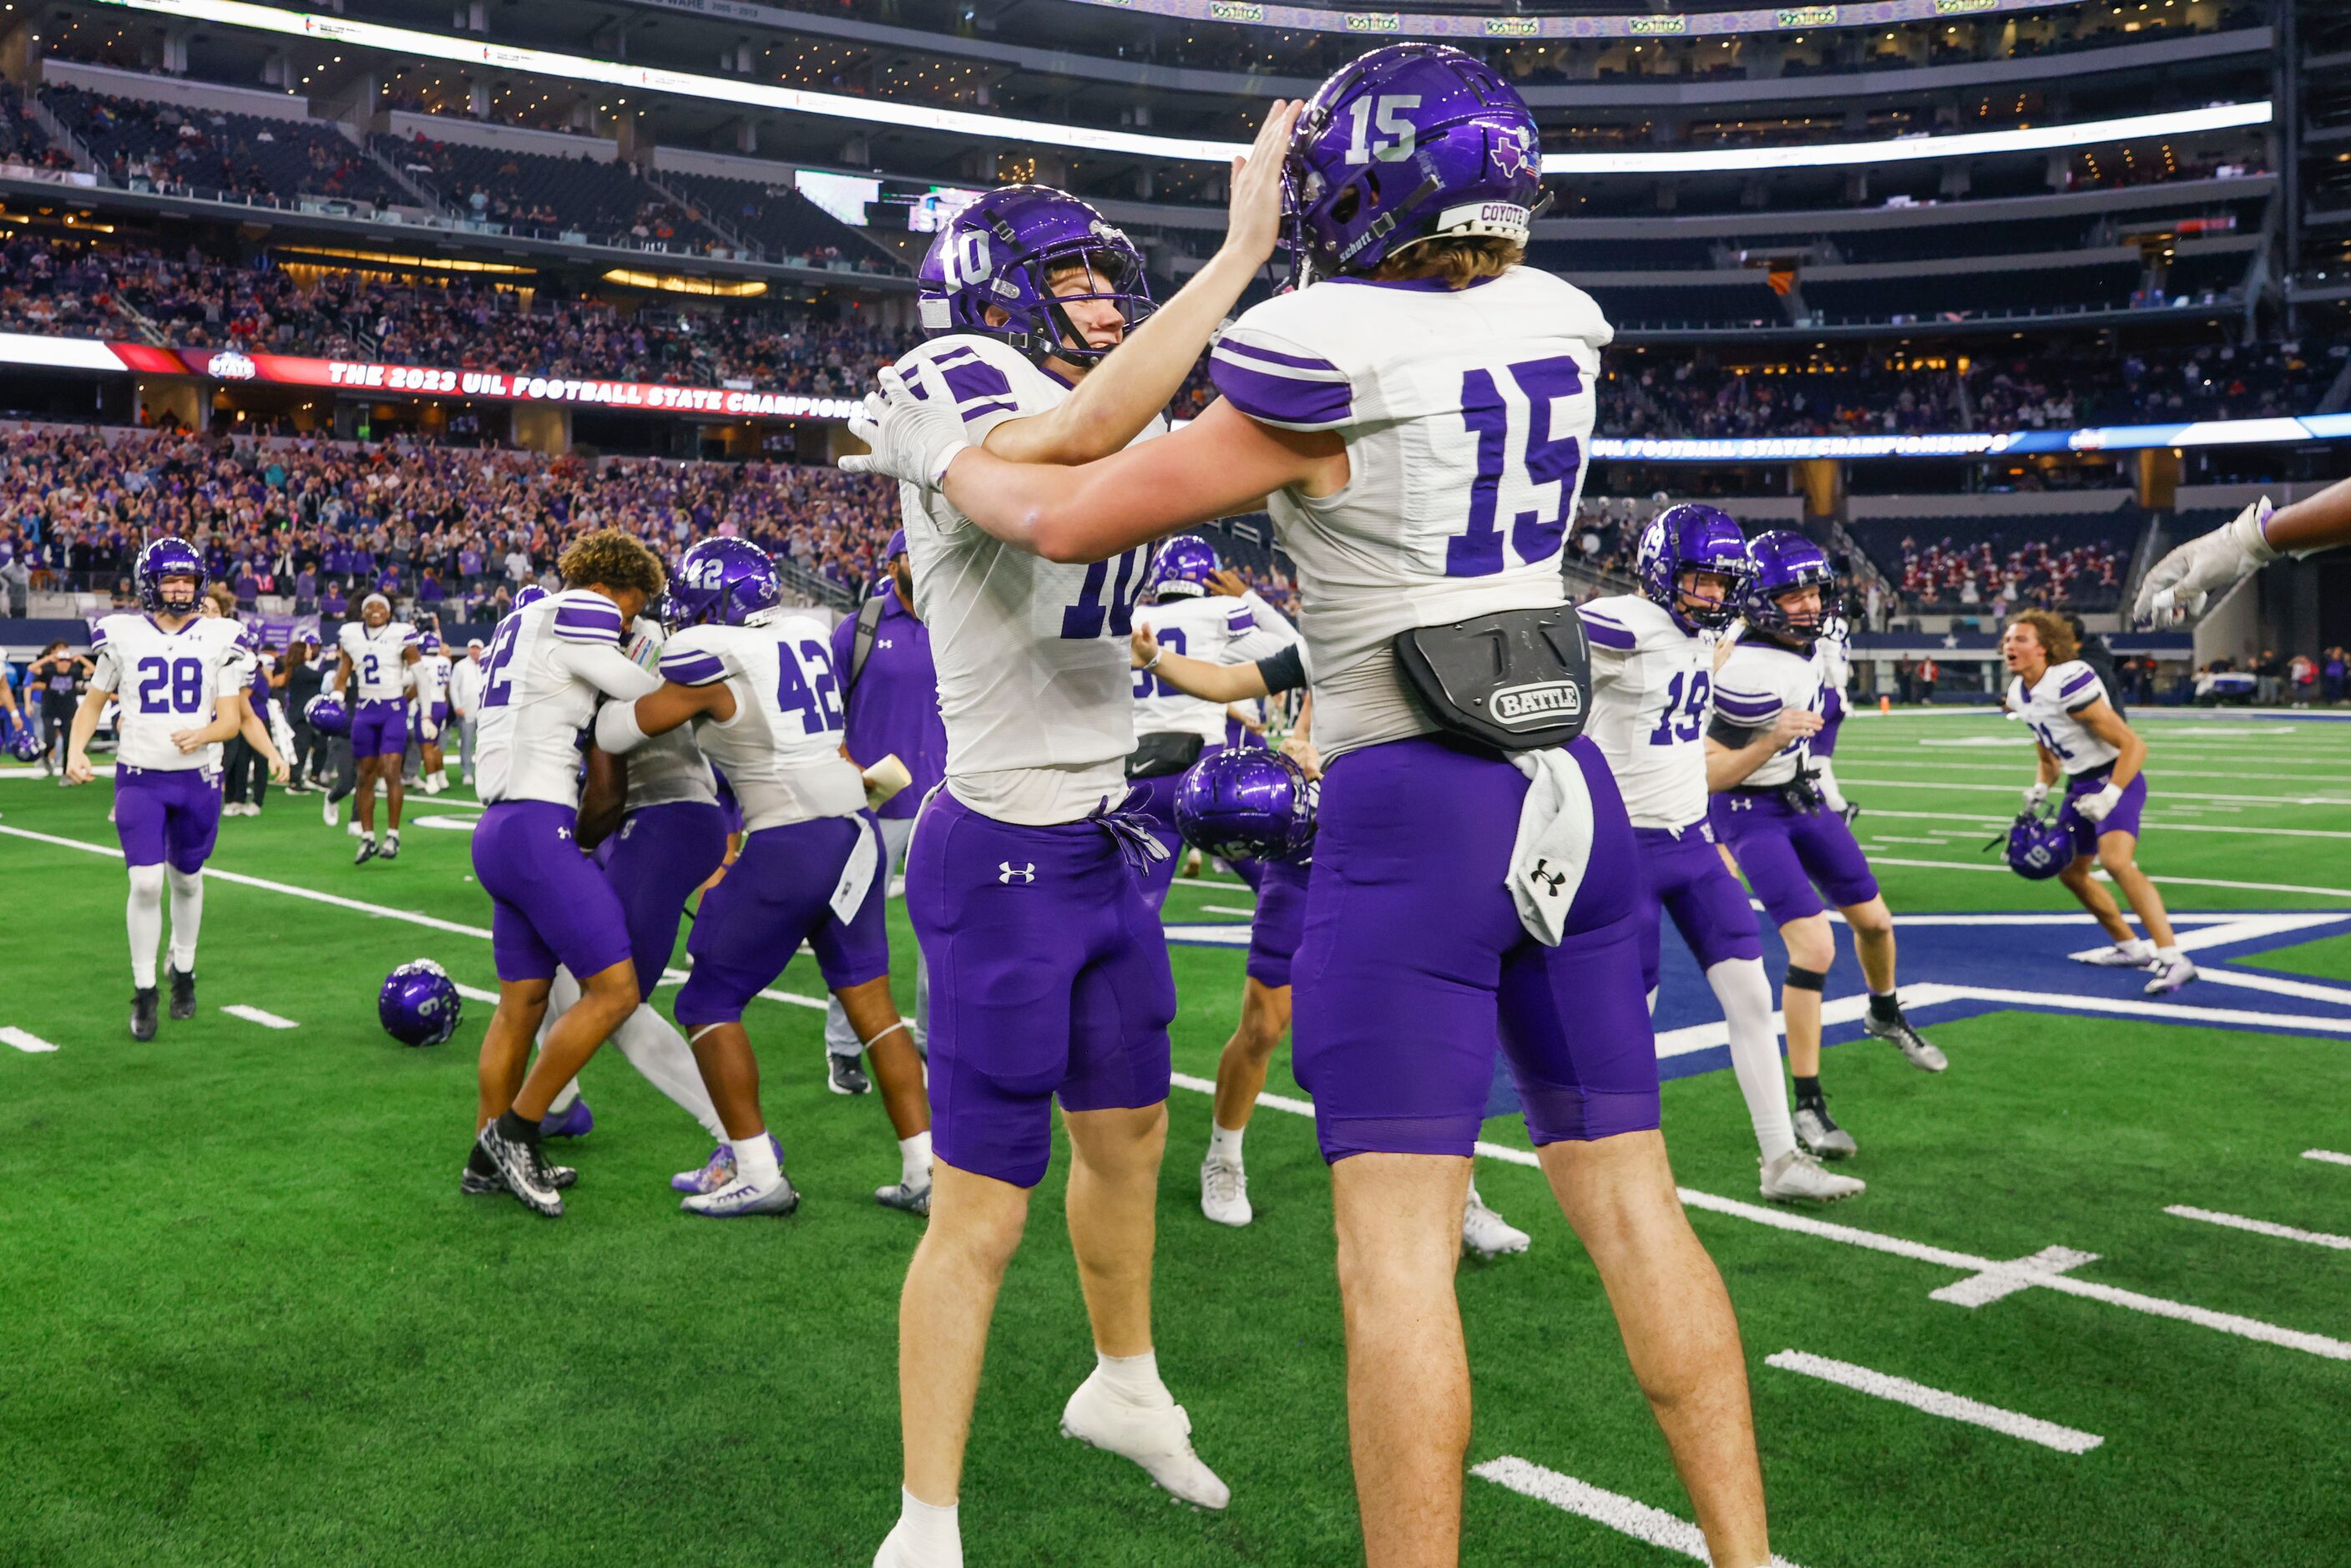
22, 744
1784, 562
1181, 568
1408, 142
531, 594
1002, 249
1692, 538
1246, 804
428, 643
723, 582
419, 1003
325, 714
2039, 847
169, 557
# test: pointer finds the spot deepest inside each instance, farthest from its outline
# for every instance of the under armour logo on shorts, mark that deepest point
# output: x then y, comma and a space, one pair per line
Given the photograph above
1006, 872
562, 832
1554, 880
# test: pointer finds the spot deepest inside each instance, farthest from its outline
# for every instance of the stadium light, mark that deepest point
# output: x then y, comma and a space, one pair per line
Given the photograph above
409, 42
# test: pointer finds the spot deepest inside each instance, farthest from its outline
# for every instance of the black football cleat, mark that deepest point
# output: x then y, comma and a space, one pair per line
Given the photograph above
391, 846
183, 993
846, 1075
367, 851
142, 1013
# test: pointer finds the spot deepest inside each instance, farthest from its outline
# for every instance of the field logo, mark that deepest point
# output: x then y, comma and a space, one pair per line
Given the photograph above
1653, 26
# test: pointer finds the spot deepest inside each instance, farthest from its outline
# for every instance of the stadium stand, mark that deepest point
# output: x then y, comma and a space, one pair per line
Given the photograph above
213, 150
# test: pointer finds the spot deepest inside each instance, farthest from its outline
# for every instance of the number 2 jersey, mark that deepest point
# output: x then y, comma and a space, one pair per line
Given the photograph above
1031, 654
782, 751
1755, 685
167, 681
1465, 414
2053, 704
378, 657
1650, 689
1215, 627
548, 663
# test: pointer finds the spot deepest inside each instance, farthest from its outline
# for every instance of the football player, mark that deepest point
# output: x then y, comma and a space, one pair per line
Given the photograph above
432, 676
1651, 678
1416, 409
1049, 971
1832, 658
372, 676
1276, 927
2184, 581
2103, 762
181, 681
1769, 814
548, 666
756, 684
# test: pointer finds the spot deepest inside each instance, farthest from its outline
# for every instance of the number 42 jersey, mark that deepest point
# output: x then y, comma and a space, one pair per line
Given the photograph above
1650, 685
782, 751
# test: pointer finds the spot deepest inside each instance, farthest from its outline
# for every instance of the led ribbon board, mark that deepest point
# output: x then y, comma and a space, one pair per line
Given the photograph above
992, 128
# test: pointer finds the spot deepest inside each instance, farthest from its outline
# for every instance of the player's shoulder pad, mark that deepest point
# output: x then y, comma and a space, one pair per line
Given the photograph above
985, 376
1747, 689
1621, 622
580, 616
409, 636
699, 656
2075, 684
1297, 361
110, 627
799, 627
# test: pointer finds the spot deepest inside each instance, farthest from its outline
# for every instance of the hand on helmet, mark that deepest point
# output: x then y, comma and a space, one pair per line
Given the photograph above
2036, 796
911, 428
1255, 221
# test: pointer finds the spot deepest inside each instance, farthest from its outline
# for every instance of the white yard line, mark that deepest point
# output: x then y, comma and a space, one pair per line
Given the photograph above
1935, 1401
2234, 828
1853, 783
2002, 867
1248, 913
2327, 1156
32, 1044
2260, 1227
1624, 1515
255, 1015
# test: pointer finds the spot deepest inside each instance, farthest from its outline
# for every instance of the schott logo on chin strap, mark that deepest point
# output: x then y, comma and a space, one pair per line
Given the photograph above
1006, 872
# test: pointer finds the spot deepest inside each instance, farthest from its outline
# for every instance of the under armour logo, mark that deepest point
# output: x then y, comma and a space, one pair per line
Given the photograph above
1552, 880
1006, 872
1739, 804
562, 832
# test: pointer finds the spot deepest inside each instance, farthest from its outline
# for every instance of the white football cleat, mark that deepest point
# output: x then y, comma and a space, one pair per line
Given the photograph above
1796, 1177
896, 1553
744, 1196
329, 809
2117, 957
1488, 1233
2170, 977
1224, 1193
1157, 1437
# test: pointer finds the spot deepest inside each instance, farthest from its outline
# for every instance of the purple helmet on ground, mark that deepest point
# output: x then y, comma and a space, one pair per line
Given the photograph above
1181, 568
2039, 847
722, 583
1407, 143
1246, 804
1784, 562
169, 557
22, 744
325, 714
1002, 251
1692, 538
531, 594
419, 1003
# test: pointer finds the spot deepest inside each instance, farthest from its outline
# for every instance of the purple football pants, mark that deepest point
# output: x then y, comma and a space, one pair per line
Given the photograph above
167, 816
1785, 854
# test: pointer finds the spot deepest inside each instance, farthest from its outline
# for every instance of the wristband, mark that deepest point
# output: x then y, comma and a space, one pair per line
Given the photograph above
944, 460
1158, 652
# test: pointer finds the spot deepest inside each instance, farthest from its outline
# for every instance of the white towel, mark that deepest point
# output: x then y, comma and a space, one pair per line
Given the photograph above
857, 875
1554, 841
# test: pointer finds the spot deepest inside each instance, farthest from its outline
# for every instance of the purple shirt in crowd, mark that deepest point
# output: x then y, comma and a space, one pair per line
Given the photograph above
894, 705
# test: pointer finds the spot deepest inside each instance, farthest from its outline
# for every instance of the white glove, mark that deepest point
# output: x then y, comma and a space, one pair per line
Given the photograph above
2096, 806
2036, 796
913, 428
427, 730
2181, 584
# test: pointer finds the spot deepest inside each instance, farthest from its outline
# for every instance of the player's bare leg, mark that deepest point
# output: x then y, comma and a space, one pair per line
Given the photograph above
506, 1046
505, 1150
2117, 852
943, 1312
606, 998
1873, 943
1399, 1223
898, 1070
2096, 900
1679, 1331
1240, 1078
363, 796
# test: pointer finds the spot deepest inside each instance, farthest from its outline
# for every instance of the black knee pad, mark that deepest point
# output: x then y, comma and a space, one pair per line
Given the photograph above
1803, 980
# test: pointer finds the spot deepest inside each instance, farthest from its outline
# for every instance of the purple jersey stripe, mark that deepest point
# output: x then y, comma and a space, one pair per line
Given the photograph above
1282, 400
976, 381
579, 624
978, 410
1745, 706
1608, 635
2078, 683
693, 669
1295, 362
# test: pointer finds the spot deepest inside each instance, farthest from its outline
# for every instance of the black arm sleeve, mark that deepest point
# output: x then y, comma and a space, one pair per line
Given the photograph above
1738, 736
1285, 671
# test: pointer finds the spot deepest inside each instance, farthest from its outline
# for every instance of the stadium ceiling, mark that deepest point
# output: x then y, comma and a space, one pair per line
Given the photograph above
409, 43
1518, 26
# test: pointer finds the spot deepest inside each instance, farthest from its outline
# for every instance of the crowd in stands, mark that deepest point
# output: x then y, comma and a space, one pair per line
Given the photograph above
1953, 574
22, 140
164, 145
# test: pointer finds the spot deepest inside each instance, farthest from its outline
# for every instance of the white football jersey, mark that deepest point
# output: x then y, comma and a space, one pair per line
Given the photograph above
1213, 627
782, 751
430, 676
1833, 658
1465, 414
548, 663
379, 659
167, 681
1651, 691
2051, 707
668, 767
1754, 685
1034, 677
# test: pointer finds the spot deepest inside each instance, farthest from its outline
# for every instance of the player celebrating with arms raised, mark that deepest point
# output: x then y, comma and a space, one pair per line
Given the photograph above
2103, 762
1416, 410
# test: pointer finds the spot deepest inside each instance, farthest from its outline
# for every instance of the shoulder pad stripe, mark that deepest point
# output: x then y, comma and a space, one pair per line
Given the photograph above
691, 668
1282, 399
1294, 361
1742, 704
2085, 678
1609, 635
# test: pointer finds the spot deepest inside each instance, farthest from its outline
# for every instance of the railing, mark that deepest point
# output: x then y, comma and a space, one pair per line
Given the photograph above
45, 118
425, 196
813, 585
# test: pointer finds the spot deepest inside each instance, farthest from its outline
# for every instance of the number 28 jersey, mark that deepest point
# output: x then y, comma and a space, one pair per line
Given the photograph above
1650, 689
1031, 654
167, 681
782, 751
1465, 414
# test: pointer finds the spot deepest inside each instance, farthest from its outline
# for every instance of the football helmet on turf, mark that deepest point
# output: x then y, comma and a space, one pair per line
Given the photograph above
419, 1003
2039, 847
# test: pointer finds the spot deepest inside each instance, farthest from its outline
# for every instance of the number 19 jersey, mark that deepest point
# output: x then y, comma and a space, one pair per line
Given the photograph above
782, 751
1650, 685
1465, 414
1031, 653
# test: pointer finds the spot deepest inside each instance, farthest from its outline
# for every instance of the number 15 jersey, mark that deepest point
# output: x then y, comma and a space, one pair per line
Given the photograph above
1466, 413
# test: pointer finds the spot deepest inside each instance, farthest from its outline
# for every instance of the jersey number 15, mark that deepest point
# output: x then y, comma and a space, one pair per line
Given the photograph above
1545, 459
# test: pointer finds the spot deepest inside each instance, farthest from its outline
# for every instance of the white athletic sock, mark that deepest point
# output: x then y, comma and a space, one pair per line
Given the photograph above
655, 1049
914, 1159
755, 1158
144, 917
1224, 1144
1745, 993
1133, 1378
928, 1535
187, 917
2137, 948
2170, 955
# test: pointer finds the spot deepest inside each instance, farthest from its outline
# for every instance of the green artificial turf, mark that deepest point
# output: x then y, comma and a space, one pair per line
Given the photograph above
248, 1319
